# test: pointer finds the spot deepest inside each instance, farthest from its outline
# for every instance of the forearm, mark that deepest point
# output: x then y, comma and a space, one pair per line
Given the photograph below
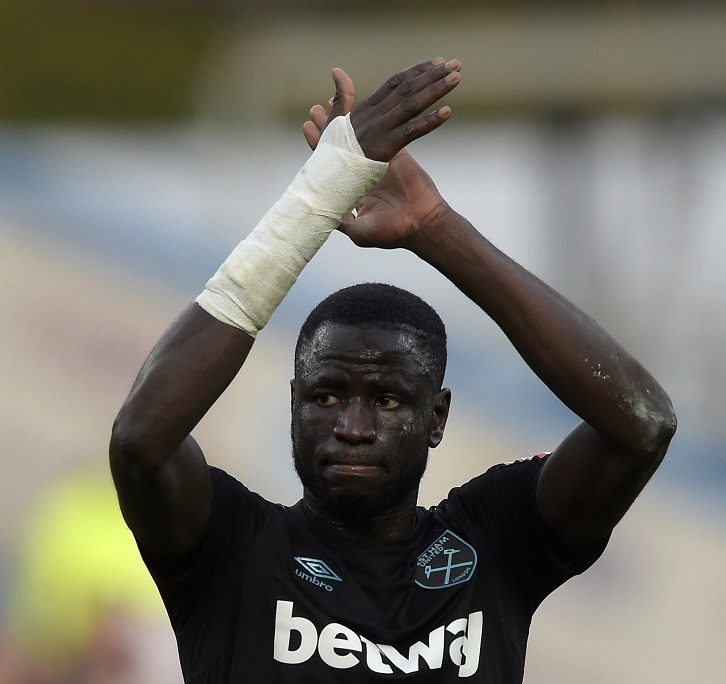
255, 278
590, 372
203, 351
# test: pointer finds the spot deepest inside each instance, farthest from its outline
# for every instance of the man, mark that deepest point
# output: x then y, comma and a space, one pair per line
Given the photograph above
355, 583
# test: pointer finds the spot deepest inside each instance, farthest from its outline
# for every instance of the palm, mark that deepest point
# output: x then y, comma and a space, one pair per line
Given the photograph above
393, 212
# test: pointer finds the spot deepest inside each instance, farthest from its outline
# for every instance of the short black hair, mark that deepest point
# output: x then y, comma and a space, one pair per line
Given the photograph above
387, 306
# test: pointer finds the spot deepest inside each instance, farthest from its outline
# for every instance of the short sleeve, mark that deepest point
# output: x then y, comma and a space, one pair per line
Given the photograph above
500, 507
186, 584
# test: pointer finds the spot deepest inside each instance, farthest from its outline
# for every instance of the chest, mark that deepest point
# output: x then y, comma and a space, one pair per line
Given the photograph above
423, 605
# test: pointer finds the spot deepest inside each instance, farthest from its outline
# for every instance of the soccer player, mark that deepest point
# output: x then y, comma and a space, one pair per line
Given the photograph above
355, 582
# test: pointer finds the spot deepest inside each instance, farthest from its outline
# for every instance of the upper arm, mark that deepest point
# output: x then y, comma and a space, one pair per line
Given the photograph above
168, 506
159, 470
589, 482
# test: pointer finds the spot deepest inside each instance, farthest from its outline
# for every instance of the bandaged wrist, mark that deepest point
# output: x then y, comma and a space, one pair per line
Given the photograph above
255, 278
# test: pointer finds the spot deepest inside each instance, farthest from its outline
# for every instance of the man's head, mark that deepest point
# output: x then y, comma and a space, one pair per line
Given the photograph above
386, 306
367, 401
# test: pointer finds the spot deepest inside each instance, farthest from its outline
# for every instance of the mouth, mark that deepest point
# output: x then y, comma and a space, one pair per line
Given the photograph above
353, 467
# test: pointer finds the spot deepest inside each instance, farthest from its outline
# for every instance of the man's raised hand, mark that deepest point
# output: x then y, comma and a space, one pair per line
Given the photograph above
386, 122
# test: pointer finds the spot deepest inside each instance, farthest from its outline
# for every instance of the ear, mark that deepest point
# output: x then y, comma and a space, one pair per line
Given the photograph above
442, 403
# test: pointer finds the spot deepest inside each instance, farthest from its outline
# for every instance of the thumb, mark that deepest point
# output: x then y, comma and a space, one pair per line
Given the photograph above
347, 226
357, 228
344, 99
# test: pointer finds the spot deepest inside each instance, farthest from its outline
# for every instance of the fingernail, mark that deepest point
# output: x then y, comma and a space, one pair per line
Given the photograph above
453, 76
437, 61
453, 64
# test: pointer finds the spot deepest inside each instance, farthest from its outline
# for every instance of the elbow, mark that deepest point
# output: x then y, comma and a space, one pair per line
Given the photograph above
657, 427
130, 449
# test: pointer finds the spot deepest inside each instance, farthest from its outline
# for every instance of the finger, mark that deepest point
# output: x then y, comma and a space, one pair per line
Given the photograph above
403, 76
311, 133
313, 128
416, 95
319, 116
344, 99
415, 129
416, 84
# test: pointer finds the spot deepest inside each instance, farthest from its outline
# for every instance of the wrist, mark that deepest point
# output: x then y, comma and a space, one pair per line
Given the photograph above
438, 233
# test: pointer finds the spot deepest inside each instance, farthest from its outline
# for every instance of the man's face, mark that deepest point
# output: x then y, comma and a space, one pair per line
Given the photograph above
365, 411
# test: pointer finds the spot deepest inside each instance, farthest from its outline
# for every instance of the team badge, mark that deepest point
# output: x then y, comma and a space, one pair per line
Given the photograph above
445, 563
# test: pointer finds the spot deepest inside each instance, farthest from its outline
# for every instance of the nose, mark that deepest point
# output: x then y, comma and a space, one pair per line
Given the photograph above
356, 423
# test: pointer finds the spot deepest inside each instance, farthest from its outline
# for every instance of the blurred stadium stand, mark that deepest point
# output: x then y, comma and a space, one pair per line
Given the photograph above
138, 137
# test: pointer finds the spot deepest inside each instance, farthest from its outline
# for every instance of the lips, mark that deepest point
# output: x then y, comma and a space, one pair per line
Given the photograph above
360, 467
354, 469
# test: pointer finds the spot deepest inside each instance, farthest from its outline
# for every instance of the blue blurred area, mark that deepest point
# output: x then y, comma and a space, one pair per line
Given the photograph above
137, 198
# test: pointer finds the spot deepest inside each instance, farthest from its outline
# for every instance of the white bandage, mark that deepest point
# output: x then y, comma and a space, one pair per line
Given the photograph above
258, 274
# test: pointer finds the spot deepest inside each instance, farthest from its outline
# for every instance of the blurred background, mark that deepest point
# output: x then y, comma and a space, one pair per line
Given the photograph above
141, 140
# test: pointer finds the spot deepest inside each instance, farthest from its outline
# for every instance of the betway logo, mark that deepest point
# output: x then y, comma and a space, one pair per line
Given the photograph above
341, 648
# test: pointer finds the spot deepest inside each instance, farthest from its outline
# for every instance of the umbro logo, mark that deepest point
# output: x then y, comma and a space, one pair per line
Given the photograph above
317, 572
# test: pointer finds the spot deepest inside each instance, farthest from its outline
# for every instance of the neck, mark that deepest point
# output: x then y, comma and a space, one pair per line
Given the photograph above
388, 526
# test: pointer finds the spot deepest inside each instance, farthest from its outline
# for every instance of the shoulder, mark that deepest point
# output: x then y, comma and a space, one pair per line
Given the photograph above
233, 501
501, 507
521, 466
237, 513
504, 481
497, 502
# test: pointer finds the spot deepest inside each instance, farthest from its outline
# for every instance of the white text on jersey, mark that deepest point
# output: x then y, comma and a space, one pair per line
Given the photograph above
337, 645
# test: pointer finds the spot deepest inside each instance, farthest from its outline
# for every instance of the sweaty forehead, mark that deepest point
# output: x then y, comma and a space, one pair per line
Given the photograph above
365, 344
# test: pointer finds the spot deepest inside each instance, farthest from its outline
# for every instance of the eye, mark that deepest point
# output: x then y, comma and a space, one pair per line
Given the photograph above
326, 400
387, 402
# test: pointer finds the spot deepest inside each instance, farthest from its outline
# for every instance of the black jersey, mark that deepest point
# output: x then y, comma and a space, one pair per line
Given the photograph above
268, 597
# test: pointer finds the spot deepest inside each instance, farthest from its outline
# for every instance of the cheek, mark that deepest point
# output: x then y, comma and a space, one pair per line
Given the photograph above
410, 428
311, 424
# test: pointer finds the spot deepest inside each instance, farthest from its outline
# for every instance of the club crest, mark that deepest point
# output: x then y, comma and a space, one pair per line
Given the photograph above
445, 563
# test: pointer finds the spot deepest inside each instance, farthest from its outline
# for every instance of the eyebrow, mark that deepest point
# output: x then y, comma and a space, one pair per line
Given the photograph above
392, 382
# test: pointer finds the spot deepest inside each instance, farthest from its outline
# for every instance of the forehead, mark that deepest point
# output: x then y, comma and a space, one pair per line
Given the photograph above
395, 348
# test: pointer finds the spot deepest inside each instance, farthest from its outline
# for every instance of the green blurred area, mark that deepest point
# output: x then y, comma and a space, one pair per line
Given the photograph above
174, 60
110, 61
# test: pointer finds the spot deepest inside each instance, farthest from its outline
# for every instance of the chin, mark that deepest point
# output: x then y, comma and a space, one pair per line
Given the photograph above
358, 500
347, 502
